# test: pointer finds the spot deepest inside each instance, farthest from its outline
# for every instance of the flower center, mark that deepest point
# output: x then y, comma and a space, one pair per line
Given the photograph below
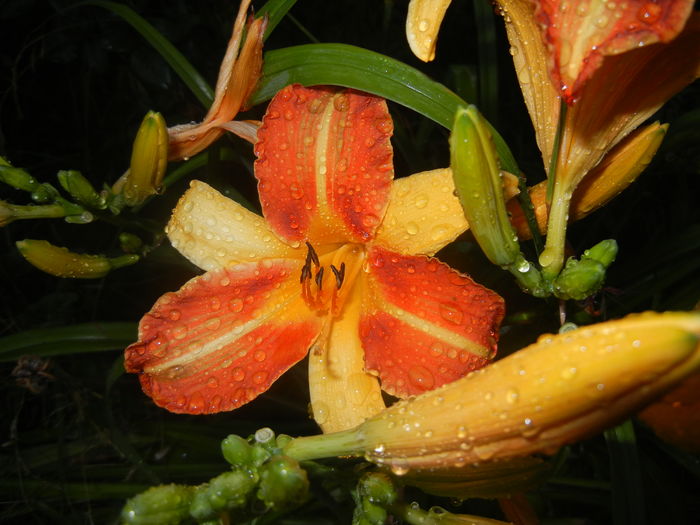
326, 280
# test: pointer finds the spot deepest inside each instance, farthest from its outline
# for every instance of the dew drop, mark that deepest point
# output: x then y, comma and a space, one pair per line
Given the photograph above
174, 314
259, 377
238, 374
259, 355
421, 377
315, 106
212, 382
399, 470
512, 396
421, 201
451, 312
412, 228
180, 331
423, 26
340, 103
213, 323
236, 305
568, 372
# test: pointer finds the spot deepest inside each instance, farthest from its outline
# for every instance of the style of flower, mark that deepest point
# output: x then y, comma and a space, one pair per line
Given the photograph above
238, 76
339, 268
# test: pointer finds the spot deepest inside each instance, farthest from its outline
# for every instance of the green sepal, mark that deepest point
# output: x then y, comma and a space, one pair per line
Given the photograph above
18, 178
237, 451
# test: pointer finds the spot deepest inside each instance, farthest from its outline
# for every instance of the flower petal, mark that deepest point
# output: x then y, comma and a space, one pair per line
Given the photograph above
627, 90
424, 324
214, 231
223, 338
238, 76
423, 215
324, 164
617, 171
422, 26
343, 395
531, 60
581, 35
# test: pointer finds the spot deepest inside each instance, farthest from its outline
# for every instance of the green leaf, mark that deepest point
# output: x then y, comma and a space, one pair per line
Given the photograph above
66, 340
354, 67
186, 71
276, 11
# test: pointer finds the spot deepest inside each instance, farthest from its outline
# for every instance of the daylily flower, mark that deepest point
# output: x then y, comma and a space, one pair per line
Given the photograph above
339, 268
238, 76
598, 57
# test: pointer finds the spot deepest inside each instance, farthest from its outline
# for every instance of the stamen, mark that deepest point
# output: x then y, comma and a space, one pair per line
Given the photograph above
339, 275
311, 254
305, 272
319, 278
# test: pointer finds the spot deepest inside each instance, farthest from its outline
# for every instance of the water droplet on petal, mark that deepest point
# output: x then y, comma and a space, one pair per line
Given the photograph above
512, 396
421, 377
212, 382
236, 305
259, 377
213, 323
180, 331
451, 312
174, 314
238, 374
259, 355
412, 228
340, 103
423, 26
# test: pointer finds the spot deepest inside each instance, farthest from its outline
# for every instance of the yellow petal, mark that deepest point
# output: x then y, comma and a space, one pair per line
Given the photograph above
531, 63
422, 26
213, 231
423, 215
343, 395
619, 169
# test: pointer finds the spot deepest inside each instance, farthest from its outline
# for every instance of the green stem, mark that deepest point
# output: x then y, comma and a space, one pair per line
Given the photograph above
554, 159
345, 443
552, 258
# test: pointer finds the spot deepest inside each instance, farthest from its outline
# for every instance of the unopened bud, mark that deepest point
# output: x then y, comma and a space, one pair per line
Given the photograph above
58, 261
12, 212
17, 178
283, 483
582, 278
225, 492
479, 185
80, 189
163, 504
149, 160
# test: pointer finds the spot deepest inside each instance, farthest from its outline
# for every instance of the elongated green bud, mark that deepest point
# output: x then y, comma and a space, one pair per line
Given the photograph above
149, 160
18, 178
165, 505
60, 262
13, 212
479, 186
80, 189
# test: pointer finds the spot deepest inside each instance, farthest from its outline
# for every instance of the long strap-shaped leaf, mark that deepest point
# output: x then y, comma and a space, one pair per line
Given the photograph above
76, 339
354, 67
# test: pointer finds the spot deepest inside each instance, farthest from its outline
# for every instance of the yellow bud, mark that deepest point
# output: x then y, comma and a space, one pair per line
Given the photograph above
60, 262
561, 389
149, 160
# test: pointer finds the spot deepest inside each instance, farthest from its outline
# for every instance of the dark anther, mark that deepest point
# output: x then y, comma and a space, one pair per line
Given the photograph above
319, 278
305, 272
311, 255
339, 275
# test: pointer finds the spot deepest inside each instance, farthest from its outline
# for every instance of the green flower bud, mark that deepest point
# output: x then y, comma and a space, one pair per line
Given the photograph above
60, 262
283, 483
164, 505
225, 492
149, 160
378, 488
80, 189
12, 212
129, 242
582, 278
18, 178
237, 451
478, 180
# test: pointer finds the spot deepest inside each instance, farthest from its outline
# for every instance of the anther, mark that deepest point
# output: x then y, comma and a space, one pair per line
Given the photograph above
311, 255
319, 278
305, 272
339, 275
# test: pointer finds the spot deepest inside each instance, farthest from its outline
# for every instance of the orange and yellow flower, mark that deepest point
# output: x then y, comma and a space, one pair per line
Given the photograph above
339, 267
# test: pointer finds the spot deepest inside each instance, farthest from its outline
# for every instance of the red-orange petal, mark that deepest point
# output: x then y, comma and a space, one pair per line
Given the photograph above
425, 324
223, 338
582, 32
324, 164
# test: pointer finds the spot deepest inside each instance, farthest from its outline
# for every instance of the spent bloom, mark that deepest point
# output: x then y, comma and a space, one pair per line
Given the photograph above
340, 268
